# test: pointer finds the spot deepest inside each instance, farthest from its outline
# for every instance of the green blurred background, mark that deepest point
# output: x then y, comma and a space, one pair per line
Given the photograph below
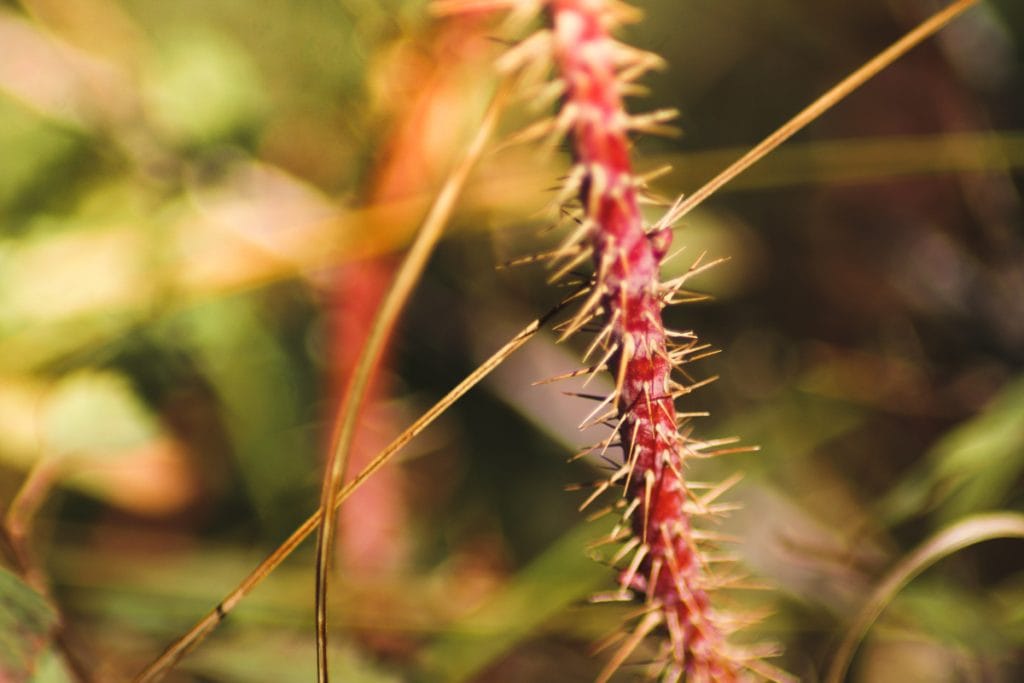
202, 202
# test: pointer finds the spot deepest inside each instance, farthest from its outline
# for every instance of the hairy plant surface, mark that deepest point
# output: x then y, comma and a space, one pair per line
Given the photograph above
664, 561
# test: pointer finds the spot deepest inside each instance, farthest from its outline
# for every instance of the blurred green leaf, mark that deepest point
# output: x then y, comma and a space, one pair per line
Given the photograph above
246, 657
952, 539
972, 468
25, 623
51, 669
261, 397
1010, 598
562, 575
946, 610
32, 149
203, 88
854, 160
96, 413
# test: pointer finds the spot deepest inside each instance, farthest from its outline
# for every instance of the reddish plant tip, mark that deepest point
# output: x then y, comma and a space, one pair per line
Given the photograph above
662, 561
666, 566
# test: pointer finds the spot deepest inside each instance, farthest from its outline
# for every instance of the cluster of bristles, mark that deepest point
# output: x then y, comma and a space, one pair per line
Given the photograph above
663, 561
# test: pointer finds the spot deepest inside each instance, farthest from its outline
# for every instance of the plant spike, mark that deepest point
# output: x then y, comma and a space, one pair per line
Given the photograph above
668, 570
666, 567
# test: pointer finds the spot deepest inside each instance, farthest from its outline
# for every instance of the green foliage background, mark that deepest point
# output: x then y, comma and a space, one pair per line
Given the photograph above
180, 180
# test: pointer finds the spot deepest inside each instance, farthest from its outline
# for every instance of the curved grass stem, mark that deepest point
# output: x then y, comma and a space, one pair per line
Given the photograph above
965, 533
408, 274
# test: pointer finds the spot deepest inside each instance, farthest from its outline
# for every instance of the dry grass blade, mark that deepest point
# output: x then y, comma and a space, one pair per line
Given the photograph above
835, 94
15, 539
187, 642
408, 274
17, 522
964, 533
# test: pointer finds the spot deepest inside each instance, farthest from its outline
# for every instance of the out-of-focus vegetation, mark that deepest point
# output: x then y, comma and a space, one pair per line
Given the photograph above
201, 202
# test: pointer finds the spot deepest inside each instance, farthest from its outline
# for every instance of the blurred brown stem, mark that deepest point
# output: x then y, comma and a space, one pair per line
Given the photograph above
17, 531
18, 521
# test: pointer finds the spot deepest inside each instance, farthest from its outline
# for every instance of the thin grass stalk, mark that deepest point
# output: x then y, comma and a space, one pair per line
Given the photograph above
408, 275
165, 663
962, 534
833, 96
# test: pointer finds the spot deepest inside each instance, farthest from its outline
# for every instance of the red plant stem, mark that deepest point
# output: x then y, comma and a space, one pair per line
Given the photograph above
667, 568
424, 78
